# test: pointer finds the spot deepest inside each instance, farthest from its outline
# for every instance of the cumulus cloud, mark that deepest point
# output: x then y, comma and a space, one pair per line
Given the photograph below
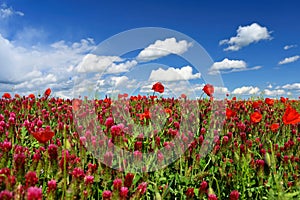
95, 63
6, 12
245, 36
121, 67
173, 74
274, 92
246, 90
228, 66
162, 48
35, 68
286, 47
294, 86
289, 60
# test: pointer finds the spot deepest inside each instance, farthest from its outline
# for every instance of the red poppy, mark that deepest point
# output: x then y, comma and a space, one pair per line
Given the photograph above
274, 127
76, 104
6, 96
17, 96
208, 89
31, 96
145, 115
120, 96
168, 111
255, 117
256, 104
43, 136
152, 97
233, 98
283, 100
47, 92
230, 113
125, 95
291, 116
269, 101
158, 87
183, 96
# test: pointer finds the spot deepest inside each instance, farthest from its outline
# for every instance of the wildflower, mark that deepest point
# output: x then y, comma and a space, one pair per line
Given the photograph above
78, 173
6, 195
158, 87
203, 186
89, 180
274, 127
31, 179
52, 185
208, 89
47, 92
190, 193
255, 117
128, 180
34, 193
6, 96
123, 192
43, 136
230, 113
117, 184
106, 195
142, 188
291, 116
234, 195
52, 151
269, 101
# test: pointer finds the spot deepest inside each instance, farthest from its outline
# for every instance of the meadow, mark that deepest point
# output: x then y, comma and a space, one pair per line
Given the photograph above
53, 148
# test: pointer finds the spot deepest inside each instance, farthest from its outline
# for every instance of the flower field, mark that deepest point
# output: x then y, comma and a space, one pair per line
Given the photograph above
51, 149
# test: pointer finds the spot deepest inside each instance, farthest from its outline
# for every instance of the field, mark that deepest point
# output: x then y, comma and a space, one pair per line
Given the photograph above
176, 148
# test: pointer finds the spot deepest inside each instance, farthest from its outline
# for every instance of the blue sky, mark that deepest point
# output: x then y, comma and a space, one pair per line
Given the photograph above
253, 47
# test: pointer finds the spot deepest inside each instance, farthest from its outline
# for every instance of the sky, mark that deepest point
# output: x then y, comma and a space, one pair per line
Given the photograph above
97, 48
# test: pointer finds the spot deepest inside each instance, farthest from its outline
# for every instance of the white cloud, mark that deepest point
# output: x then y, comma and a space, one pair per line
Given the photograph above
245, 36
294, 86
246, 90
121, 67
270, 86
228, 66
35, 68
163, 48
274, 92
6, 12
173, 74
95, 63
286, 47
289, 60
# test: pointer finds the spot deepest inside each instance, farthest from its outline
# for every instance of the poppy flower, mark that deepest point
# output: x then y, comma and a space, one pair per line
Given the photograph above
158, 87
283, 100
208, 89
17, 96
274, 127
120, 96
256, 104
47, 92
230, 113
31, 96
291, 116
43, 136
145, 115
255, 117
183, 96
6, 96
269, 101
76, 104
168, 111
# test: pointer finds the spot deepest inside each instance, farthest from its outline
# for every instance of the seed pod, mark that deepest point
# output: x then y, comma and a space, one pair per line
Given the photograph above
268, 159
